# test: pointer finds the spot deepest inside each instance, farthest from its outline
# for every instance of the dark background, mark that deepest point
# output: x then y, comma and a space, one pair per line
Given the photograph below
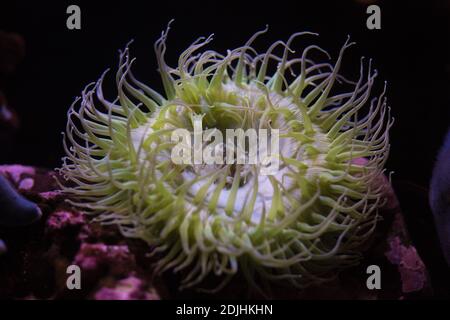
411, 52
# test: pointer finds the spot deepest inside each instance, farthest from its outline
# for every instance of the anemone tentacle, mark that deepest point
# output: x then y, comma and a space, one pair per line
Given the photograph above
301, 225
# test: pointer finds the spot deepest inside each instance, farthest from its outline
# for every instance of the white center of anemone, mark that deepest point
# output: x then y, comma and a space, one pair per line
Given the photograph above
263, 198
288, 148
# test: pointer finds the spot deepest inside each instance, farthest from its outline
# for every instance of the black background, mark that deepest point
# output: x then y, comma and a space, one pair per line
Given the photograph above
411, 52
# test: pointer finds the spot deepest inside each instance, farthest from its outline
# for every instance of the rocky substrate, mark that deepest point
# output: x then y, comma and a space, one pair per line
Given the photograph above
113, 267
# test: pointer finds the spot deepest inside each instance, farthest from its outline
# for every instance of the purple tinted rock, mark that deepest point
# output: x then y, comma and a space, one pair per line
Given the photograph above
16, 210
410, 266
93, 257
440, 196
131, 288
17, 172
62, 219
2, 247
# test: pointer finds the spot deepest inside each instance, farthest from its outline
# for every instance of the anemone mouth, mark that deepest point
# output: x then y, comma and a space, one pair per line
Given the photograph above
302, 224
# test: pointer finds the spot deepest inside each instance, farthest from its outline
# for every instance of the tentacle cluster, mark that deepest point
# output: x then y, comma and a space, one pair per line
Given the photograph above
301, 225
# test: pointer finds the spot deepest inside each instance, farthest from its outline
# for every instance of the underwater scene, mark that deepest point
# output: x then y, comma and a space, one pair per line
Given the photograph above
209, 151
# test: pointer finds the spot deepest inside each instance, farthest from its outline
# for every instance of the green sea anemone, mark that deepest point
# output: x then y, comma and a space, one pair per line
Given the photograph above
300, 225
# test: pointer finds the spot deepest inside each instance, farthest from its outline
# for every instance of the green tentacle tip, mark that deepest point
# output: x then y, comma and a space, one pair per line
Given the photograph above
301, 225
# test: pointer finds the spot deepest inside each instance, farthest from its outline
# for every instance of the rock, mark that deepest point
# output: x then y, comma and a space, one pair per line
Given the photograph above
114, 267
16, 210
130, 288
410, 266
3, 248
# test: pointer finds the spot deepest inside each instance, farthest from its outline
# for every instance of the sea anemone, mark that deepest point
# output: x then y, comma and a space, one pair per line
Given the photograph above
300, 225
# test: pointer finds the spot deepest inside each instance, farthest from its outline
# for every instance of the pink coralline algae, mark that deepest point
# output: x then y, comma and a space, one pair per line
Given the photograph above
63, 219
114, 267
411, 268
131, 288
17, 172
93, 257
